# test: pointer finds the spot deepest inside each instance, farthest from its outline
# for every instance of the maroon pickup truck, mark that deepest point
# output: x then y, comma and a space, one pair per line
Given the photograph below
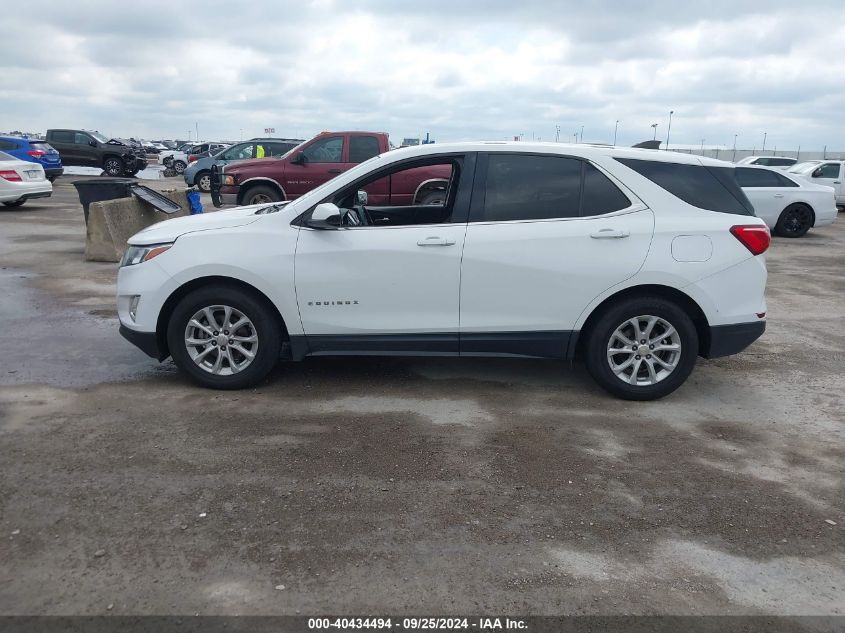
319, 160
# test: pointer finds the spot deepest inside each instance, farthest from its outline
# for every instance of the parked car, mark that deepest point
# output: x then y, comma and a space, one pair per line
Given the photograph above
179, 160
768, 161
789, 204
92, 149
634, 260
309, 165
198, 172
34, 151
826, 172
21, 180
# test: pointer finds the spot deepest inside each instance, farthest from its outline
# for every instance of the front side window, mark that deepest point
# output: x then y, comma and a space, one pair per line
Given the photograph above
362, 148
239, 152
82, 139
529, 187
705, 187
325, 150
828, 170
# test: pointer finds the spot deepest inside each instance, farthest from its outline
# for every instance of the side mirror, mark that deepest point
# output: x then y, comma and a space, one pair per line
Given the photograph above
817, 173
299, 159
325, 217
92, 143
362, 198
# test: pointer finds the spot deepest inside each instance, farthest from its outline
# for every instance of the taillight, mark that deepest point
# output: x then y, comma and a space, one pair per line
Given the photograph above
36, 153
10, 175
754, 237
192, 158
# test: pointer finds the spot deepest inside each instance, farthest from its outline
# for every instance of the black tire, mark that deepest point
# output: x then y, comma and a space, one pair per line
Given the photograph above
267, 328
794, 221
261, 194
433, 197
179, 166
203, 181
113, 166
599, 338
14, 203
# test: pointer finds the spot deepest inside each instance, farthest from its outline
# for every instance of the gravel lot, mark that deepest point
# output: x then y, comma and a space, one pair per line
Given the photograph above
399, 486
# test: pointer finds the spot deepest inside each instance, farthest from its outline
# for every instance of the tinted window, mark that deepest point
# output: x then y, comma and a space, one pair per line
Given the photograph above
828, 170
81, 139
780, 162
711, 188
278, 149
4, 144
61, 136
783, 181
525, 187
42, 145
600, 194
747, 177
325, 150
362, 148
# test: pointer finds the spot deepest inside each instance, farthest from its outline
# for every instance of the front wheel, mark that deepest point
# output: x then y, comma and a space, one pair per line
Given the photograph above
261, 194
179, 166
224, 337
203, 180
113, 166
642, 348
795, 221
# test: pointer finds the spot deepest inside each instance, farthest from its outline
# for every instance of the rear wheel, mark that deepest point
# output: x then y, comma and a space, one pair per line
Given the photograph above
14, 203
795, 221
113, 166
203, 180
433, 197
224, 337
179, 166
642, 348
261, 194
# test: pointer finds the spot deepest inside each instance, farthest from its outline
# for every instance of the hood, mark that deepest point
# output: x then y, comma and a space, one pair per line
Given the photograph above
250, 162
169, 230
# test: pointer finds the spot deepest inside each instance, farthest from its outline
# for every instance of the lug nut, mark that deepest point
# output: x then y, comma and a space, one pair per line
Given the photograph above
214, 342
642, 342
648, 355
651, 346
226, 332
223, 347
637, 357
216, 333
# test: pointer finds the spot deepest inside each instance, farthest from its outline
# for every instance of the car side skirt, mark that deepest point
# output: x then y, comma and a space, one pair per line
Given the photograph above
545, 344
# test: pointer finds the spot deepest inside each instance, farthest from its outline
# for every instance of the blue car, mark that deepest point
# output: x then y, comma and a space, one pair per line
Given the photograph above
34, 151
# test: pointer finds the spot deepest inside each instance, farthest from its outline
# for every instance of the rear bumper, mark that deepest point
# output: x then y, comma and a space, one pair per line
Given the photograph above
147, 342
53, 172
732, 339
27, 192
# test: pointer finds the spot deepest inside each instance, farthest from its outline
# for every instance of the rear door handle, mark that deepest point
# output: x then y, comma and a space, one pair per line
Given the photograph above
335, 171
605, 234
778, 195
435, 241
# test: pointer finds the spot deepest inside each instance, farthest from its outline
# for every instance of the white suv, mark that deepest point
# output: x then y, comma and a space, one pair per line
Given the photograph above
636, 261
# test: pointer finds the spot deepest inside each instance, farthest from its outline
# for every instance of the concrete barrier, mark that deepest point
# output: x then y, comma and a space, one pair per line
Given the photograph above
112, 222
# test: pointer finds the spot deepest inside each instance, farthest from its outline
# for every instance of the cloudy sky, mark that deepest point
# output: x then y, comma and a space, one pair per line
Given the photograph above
459, 69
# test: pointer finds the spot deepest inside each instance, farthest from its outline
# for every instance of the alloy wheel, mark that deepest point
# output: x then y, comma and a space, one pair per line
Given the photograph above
205, 182
221, 340
644, 350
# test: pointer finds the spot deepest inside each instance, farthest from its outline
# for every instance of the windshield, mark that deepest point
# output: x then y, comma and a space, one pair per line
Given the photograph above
99, 137
802, 167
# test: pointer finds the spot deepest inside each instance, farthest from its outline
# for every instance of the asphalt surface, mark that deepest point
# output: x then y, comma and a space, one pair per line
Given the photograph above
398, 486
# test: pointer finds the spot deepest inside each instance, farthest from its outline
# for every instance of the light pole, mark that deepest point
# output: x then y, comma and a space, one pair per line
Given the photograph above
654, 125
615, 130
702, 147
733, 160
669, 129
197, 127
764, 142
582, 133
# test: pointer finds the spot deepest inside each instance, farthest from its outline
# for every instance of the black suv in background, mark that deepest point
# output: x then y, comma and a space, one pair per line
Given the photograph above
91, 149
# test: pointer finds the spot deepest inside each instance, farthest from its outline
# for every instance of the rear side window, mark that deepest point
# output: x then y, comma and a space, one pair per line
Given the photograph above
527, 187
600, 194
780, 162
62, 136
746, 177
362, 148
4, 144
279, 149
710, 188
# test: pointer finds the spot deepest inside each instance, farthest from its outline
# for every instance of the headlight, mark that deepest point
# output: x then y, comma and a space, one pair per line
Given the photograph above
137, 254
229, 180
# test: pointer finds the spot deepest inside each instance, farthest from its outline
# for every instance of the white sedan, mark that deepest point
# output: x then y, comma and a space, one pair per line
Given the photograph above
789, 204
21, 180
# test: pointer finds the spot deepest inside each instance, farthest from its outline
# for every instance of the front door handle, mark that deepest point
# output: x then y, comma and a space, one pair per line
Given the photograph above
335, 171
778, 195
435, 241
605, 234
837, 182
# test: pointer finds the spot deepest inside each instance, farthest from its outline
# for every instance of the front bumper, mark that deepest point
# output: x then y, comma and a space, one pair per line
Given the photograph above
147, 342
726, 340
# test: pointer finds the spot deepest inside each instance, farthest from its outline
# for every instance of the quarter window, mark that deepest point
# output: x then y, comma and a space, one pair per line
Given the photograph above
326, 150
528, 187
600, 194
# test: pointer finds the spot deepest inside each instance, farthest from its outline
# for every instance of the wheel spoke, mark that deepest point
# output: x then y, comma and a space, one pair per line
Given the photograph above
622, 367
227, 315
238, 324
198, 325
652, 375
218, 363
663, 363
674, 347
652, 321
244, 339
231, 360
245, 352
204, 353
209, 315
618, 335
669, 333
633, 377
636, 325
196, 342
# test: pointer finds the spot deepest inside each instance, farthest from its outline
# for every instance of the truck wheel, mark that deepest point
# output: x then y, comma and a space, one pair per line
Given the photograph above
261, 194
642, 348
113, 166
14, 203
224, 337
433, 197
179, 166
203, 180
